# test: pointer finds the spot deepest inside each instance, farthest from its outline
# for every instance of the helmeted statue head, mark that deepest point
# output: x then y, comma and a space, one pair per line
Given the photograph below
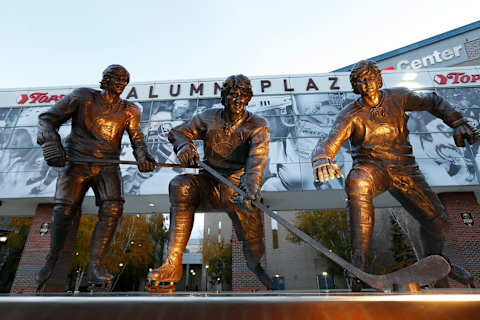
362, 69
111, 72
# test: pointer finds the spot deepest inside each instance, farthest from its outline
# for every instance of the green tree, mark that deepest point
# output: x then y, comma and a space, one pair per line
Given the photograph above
402, 252
159, 234
329, 227
130, 253
16, 242
218, 257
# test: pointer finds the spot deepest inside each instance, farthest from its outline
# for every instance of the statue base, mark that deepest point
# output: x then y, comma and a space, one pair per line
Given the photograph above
432, 304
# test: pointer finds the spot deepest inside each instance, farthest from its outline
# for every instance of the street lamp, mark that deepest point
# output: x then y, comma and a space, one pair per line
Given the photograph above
325, 274
206, 277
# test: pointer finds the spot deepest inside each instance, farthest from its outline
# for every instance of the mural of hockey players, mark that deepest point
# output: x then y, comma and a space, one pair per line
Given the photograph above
433, 144
8, 117
278, 110
19, 162
468, 101
438, 146
5, 134
23, 156
295, 124
164, 116
146, 107
29, 116
316, 115
279, 113
41, 182
204, 104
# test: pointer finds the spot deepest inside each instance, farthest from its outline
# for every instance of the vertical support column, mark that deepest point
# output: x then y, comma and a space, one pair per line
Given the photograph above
462, 243
242, 278
34, 254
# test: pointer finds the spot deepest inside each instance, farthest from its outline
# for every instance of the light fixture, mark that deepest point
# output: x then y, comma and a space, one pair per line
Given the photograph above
151, 204
121, 264
277, 276
3, 239
324, 273
77, 253
132, 242
410, 76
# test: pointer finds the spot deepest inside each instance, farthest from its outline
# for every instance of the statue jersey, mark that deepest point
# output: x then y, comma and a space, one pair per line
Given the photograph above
97, 127
230, 148
380, 133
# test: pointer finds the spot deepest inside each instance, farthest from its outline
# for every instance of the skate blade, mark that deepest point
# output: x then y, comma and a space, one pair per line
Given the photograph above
95, 287
160, 287
40, 289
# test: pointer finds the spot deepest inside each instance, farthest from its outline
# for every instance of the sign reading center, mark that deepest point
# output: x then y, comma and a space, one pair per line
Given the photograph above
431, 59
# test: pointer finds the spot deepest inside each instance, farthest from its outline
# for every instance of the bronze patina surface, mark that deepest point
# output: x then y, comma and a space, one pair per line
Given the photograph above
235, 144
99, 119
376, 125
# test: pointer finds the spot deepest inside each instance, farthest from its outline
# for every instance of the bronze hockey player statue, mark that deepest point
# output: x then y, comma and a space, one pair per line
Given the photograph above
99, 119
236, 145
376, 125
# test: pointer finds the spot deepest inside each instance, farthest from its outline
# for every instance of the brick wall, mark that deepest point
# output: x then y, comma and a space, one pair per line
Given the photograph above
34, 253
462, 243
242, 278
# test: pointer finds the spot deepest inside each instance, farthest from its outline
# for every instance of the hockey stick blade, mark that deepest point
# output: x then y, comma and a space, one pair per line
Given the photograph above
425, 272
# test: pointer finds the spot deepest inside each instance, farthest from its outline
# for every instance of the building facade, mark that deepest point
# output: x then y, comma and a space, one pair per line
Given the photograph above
455, 48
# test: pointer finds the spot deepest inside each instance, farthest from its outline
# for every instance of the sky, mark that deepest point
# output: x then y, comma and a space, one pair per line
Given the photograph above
53, 43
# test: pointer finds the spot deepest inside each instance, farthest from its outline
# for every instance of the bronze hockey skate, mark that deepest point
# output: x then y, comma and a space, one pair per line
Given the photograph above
163, 279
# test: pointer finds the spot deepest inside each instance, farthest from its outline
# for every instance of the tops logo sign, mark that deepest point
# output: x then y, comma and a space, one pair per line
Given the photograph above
39, 97
456, 78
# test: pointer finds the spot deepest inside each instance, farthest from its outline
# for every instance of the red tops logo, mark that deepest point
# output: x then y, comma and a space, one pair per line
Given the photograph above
456, 78
39, 97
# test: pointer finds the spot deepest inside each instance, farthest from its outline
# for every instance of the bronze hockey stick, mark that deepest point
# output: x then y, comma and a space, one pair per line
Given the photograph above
425, 272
